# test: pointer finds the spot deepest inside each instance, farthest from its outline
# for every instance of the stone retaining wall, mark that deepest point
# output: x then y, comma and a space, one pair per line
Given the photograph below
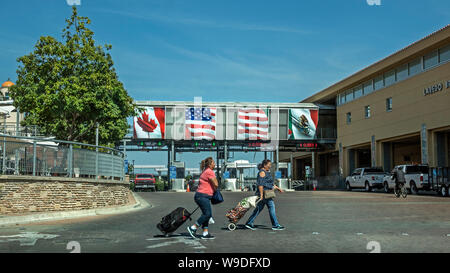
27, 194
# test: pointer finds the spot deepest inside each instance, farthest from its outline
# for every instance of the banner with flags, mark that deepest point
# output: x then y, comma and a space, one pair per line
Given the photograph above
303, 123
200, 123
253, 124
150, 123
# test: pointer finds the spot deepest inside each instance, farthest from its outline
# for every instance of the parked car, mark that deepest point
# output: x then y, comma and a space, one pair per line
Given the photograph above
366, 178
144, 181
416, 178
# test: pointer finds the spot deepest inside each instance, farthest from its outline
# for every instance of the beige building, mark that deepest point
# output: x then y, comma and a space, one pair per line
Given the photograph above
7, 110
394, 111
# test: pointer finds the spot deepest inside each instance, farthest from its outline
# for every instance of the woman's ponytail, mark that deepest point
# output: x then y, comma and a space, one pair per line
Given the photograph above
205, 163
263, 163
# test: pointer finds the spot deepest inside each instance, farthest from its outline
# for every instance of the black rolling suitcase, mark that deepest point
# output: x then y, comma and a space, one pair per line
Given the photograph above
174, 220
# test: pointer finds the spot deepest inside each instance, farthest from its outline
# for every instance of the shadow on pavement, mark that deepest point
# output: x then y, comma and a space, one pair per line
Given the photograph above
241, 226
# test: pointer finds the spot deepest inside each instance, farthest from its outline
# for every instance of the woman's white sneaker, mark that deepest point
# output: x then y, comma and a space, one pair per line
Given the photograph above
279, 227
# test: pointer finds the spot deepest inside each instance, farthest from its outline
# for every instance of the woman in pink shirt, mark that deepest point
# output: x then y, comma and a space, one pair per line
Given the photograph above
206, 187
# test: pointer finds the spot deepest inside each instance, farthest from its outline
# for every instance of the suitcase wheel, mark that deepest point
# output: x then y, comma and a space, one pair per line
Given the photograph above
231, 226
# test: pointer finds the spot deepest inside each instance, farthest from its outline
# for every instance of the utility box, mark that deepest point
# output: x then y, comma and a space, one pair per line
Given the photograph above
178, 182
283, 176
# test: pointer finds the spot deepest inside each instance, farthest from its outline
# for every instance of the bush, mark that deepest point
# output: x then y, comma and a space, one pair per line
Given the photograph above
159, 185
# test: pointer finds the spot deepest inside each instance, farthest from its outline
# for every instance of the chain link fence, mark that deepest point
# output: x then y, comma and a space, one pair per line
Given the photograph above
34, 156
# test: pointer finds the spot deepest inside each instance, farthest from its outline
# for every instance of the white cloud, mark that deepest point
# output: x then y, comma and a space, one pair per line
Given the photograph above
73, 2
206, 23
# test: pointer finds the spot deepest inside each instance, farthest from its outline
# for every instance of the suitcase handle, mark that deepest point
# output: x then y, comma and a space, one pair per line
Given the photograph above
195, 210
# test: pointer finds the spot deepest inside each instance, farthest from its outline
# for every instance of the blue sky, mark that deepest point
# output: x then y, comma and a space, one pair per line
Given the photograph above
249, 50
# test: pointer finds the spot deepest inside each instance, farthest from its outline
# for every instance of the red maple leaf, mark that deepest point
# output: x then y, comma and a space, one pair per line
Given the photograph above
146, 125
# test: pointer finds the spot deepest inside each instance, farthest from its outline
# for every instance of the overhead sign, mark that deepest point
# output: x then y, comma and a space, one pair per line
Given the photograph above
180, 121
307, 146
253, 124
200, 123
150, 123
303, 123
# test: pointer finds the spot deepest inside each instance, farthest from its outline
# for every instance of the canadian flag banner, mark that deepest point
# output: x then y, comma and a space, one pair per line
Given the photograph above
150, 123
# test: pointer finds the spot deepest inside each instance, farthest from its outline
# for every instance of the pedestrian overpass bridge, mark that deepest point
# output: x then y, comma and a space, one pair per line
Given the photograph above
224, 127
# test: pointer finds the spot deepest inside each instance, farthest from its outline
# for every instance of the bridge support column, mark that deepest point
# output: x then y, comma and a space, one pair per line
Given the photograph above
218, 166
167, 187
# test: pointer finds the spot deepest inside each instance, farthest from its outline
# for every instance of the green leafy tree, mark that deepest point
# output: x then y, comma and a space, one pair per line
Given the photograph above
67, 87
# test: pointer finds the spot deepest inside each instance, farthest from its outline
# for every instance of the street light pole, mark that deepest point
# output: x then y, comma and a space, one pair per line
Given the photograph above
96, 151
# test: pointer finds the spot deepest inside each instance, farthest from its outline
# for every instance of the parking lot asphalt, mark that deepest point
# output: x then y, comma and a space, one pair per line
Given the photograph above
315, 221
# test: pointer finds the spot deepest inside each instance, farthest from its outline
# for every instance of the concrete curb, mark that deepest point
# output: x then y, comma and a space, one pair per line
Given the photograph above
63, 215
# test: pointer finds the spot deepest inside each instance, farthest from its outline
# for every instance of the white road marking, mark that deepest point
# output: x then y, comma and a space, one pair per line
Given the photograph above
27, 238
405, 234
315, 233
359, 233
177, 240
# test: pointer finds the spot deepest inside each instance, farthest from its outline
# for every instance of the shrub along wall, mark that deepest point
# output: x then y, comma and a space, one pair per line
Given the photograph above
26, 194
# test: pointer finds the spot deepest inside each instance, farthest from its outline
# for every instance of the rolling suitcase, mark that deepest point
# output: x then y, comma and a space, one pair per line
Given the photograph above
174, 220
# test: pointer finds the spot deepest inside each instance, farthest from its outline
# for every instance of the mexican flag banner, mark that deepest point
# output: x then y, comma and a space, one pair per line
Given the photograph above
303, 123
150, 124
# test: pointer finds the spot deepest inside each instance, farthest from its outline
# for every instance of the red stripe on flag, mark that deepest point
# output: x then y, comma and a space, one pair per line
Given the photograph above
248, 125
315, 116
252, 111
201, 126
254, 118
160, 116
251, 131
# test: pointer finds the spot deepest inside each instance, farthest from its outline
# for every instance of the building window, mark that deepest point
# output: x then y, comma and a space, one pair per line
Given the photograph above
358, 91
444, 54
378, 82
402, 72
368, 87
389, 104
414, 67
398, 74
342, 98
349, 117
349, 95
430, 60
389, 78
367, 111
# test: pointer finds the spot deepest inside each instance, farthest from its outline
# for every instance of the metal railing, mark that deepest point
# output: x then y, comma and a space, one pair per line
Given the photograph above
35, 156
247, 184
11, 129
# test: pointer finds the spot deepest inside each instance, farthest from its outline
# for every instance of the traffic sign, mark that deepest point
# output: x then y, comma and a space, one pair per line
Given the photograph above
173, 172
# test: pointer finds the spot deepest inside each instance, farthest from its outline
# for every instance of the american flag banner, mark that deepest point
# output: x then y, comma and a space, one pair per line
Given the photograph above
200, 123
253, 124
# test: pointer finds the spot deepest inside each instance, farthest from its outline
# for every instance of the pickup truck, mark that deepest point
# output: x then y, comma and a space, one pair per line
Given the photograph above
416, 178
144, 181
366, 178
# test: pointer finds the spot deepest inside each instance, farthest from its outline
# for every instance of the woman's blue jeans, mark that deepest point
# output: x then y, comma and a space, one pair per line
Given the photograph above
259, 207
204, 202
